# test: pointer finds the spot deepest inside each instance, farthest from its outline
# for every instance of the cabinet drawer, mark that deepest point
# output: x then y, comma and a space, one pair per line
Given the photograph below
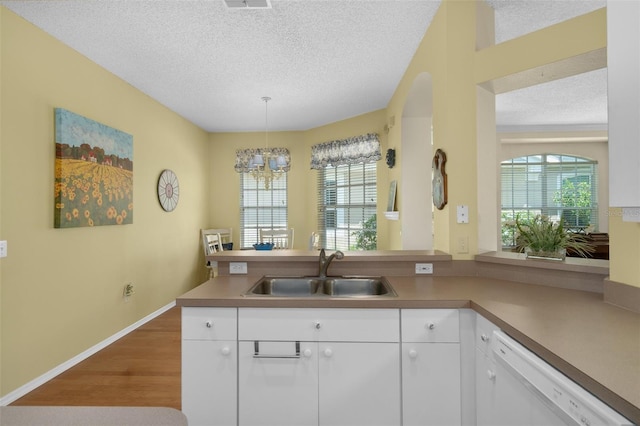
360, 325
430, 325
209, 323
484, 334
353, 325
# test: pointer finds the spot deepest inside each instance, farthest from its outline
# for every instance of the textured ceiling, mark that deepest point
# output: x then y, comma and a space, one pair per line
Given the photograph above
577, 102
319, 60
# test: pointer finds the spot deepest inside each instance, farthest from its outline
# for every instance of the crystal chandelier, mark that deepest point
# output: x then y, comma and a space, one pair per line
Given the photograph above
265, 165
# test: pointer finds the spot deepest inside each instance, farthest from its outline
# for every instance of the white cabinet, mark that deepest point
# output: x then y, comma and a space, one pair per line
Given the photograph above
623, 69
319, 366
359, 384
209, 366
276, 386
431, 367
329, 367
487, 395
499, 401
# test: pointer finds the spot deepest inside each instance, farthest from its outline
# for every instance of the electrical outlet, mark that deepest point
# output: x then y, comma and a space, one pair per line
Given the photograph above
238, 267
463, 245
3, 248
424, 268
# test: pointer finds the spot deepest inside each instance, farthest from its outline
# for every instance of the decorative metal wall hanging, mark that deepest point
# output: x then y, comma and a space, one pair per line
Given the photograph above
439, 182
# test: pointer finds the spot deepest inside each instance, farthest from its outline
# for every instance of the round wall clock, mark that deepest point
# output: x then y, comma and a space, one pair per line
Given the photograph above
168, 190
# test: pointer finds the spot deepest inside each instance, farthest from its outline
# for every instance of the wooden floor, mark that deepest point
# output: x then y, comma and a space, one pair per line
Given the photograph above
140, 369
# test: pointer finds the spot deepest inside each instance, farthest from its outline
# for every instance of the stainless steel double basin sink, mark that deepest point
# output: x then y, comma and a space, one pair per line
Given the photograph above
344, 286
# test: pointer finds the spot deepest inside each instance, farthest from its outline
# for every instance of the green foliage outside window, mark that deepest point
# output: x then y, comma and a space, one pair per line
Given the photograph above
366, 238
572, 195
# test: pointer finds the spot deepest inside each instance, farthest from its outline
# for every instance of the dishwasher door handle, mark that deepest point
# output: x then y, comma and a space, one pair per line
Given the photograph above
257, 354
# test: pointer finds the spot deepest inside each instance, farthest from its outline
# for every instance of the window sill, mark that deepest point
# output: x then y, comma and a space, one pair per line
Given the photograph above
573, 273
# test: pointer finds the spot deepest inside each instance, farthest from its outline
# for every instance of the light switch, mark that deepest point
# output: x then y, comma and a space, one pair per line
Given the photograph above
463, 214
3, 248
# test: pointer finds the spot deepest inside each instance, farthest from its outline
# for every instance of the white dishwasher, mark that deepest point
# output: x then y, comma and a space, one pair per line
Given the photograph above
557, 398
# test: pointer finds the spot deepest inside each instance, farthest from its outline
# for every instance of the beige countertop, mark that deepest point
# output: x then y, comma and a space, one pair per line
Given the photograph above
593, 342
94, 416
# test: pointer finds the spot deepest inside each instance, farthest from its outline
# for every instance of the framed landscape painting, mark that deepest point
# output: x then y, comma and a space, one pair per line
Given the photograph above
93, 173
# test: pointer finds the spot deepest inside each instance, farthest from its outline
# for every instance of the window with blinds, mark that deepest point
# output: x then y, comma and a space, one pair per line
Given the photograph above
347, 200
261, 208
554, 185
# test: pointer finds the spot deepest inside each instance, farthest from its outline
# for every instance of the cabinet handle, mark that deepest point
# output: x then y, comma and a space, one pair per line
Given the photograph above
307, 353
413, 354
485, 338
328, 353
491, 374
256, 354
318, 325
225, 351
209, 324
430, 326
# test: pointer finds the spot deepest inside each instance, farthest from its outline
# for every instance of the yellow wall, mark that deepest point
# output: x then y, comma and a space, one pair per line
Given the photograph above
224, 199
62, 288
372, 122
624, 249
447, 54
302, 196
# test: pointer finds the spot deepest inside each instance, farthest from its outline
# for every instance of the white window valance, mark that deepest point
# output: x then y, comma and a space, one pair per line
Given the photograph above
248, 160
358, 149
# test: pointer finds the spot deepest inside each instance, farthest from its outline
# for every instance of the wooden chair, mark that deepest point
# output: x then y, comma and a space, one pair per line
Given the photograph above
226, 235
215, 240
281, 238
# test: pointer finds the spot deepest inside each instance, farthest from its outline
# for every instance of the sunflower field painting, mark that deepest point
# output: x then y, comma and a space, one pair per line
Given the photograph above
93, 173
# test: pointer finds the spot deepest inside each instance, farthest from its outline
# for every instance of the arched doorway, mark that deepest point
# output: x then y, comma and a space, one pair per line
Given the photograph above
415, 185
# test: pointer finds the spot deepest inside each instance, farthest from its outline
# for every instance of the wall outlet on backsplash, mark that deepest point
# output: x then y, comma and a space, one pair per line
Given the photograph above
424, 268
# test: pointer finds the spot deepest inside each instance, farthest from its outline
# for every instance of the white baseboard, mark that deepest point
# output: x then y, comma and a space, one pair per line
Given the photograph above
38, 381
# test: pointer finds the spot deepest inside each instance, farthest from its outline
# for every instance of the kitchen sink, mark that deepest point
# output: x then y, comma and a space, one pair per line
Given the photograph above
285, 287
318, 287
356, 286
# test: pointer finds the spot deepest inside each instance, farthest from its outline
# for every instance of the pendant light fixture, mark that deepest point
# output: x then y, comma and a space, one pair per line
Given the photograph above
266, 165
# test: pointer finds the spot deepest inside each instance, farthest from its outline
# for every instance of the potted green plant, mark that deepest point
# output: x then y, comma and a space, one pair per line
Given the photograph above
543, 238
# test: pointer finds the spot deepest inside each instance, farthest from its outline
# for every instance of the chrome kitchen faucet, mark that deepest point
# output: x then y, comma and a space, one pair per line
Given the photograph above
325, 261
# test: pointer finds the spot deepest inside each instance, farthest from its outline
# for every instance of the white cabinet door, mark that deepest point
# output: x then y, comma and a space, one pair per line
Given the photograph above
209, 382
431, 384
623, 72
359, 384
277, 390
500, 399
485, 389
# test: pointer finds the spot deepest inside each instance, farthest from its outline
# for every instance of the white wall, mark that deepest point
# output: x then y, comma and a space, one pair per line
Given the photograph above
416, 208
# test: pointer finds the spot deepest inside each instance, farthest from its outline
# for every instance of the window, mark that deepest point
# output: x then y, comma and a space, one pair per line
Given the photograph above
554, 185
347, 200
260, 207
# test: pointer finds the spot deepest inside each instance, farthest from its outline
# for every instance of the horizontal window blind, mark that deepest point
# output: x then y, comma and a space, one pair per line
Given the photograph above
347, 202
559, 186
261, 208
